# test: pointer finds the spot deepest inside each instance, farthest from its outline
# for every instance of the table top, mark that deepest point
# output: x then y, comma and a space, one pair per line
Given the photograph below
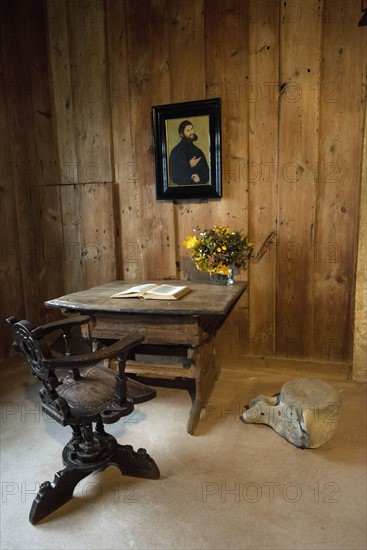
204, 299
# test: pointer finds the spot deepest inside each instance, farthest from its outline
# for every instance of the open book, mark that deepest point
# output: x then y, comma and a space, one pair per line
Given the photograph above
154, 292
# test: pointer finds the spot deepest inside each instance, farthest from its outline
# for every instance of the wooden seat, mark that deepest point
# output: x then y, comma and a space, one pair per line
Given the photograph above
89, 393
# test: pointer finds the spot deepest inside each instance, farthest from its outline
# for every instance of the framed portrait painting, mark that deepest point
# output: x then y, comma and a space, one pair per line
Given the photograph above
187, 149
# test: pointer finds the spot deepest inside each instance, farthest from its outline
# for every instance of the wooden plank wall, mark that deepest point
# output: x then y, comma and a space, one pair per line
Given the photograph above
78, 184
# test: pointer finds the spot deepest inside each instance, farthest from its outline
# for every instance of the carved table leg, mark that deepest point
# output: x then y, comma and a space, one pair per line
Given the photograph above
206, 374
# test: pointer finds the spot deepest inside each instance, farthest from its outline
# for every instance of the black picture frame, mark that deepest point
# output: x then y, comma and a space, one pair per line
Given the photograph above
175, 178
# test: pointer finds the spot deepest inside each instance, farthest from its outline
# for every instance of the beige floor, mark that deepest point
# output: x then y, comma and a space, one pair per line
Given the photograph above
230, 486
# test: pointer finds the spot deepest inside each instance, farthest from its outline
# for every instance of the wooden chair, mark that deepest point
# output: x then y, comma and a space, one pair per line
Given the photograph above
89, 393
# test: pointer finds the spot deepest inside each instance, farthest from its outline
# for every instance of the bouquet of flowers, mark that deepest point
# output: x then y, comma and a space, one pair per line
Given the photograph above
218, 249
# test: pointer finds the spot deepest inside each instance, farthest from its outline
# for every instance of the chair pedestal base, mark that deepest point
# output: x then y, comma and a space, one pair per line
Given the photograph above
51, 496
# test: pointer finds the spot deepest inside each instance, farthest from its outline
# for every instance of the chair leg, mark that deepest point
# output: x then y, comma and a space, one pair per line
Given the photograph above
134, 463
82, 457
52, 496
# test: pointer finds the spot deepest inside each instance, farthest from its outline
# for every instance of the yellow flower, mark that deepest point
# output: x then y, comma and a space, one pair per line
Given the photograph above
222, 269
213, 249
222, 228
190, 241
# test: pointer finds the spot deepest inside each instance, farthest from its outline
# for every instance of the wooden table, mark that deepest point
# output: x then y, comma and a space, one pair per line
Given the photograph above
179, 334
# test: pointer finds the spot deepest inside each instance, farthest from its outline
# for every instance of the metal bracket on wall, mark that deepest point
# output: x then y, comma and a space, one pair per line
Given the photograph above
264, 247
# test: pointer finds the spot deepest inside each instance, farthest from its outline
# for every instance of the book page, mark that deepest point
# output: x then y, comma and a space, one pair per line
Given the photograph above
140, 289
164, 290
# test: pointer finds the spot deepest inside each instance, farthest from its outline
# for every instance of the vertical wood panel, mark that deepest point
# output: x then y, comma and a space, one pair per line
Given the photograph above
186, 33
52, 240
343, 73
33, 35
82, 104
227, 72
62, 90
263, 170
92, 116
17, 80
227, 76
360, 317
298, 155
148, 70
72, 246
48, 241
122, 95
97, 235
59, 53
11, 288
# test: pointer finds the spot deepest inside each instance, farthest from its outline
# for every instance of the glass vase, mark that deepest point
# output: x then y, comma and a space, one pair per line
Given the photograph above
220, 279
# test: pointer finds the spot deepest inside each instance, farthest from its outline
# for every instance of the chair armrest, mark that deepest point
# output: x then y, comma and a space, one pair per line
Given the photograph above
77, 320
115, 349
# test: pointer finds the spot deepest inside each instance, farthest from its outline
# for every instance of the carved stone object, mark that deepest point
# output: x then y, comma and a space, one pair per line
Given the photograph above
305, 412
